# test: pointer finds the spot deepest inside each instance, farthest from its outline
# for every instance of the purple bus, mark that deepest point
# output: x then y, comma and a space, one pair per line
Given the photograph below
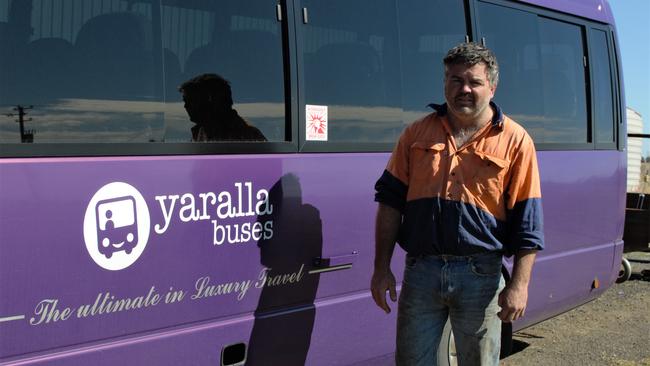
125, 242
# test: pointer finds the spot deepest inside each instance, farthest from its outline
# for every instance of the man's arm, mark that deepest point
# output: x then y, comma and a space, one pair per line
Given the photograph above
386, 229
514, 297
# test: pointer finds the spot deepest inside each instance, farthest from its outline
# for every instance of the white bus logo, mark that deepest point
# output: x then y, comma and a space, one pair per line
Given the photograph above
116, 226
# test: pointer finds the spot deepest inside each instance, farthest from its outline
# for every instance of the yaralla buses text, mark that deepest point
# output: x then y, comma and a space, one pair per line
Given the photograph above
243, 203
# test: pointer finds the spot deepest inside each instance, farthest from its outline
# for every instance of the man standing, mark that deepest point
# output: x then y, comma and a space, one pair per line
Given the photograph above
461, 190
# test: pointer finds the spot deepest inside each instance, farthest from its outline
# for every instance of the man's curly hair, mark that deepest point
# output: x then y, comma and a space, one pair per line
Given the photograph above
471, 54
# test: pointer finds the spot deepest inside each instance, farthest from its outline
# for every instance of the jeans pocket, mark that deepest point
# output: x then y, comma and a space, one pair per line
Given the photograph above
490, 266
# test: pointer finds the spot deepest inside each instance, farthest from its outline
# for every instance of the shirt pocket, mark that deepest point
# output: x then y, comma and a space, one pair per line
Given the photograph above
489, 176
426, 169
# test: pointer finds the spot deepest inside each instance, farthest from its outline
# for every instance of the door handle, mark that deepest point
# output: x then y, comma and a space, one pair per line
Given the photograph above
334, 263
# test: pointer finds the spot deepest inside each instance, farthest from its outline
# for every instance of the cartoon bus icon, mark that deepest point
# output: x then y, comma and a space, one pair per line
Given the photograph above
117, 225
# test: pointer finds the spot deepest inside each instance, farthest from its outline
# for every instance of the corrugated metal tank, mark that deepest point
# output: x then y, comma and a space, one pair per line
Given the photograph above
634, 151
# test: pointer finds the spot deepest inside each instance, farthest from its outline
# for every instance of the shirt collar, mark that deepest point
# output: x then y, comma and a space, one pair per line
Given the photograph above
497, 119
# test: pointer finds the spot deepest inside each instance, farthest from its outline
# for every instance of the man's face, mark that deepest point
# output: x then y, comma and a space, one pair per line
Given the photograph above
196, 106
468, 91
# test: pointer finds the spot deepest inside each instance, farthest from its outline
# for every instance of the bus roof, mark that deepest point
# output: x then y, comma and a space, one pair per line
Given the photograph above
593, 9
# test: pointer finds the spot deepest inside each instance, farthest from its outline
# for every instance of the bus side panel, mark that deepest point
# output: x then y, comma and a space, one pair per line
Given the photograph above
197, 345
582, 196
288, 239
58, 289
332, 343
341, 186
209, 236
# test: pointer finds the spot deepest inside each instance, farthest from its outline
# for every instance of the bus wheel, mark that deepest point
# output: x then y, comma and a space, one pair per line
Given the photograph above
447, 347
626, 271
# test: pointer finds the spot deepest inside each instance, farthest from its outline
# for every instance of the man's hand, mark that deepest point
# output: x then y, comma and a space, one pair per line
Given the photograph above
386, 228
514, 297
381, 282
512, 301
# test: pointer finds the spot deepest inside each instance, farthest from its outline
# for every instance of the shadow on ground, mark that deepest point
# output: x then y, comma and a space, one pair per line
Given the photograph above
519, 345
640, 276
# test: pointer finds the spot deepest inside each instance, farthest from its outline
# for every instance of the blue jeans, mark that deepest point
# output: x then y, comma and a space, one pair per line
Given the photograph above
466, 290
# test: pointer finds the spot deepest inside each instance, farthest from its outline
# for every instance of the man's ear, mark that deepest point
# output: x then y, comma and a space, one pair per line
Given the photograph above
213, 98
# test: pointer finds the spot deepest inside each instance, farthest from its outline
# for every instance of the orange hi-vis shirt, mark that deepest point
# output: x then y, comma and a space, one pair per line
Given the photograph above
463, 200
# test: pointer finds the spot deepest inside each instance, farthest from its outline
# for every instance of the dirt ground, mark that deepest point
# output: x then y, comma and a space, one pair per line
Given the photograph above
611, 330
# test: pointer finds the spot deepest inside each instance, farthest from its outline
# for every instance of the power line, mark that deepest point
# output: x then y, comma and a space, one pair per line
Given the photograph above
26, 136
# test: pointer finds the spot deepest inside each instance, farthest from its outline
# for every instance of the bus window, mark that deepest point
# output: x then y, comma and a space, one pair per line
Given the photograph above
83, 72
241, 41
351, 65
602, 84
423, 45
542, 73
565, 103
103, 71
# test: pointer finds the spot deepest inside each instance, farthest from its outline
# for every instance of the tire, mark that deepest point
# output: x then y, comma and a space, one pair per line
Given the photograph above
626, 271
447, 347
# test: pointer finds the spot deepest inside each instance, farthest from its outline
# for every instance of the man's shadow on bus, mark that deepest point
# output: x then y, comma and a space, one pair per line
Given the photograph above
284, 319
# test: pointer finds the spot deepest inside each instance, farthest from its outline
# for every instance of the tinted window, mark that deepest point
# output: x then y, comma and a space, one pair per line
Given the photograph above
105, 71
87, 68
239, 40
542, 78
351, 65
601, 73
423, 45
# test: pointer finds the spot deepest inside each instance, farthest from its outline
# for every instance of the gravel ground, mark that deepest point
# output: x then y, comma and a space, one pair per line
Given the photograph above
611, 330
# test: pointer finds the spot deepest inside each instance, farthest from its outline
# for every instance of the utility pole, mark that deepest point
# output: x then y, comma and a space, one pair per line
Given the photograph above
25, 136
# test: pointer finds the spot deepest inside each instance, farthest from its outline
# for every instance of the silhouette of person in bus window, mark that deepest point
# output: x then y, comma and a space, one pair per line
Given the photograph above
208, 102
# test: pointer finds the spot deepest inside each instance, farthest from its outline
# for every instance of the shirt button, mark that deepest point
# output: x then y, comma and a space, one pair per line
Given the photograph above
453, 174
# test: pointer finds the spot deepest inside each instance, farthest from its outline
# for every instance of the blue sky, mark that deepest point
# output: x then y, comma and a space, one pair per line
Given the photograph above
633, 25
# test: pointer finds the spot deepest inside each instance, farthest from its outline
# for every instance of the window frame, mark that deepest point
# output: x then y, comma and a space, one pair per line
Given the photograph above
590, 34
290, 145
320, 146
585, 26
620, 113
343, 147
294, 100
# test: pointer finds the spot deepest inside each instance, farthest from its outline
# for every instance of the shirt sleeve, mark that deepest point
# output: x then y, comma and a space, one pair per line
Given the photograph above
391, 188
524, 201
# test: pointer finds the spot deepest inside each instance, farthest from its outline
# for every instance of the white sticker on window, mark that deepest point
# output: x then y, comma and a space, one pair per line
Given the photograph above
316, 117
